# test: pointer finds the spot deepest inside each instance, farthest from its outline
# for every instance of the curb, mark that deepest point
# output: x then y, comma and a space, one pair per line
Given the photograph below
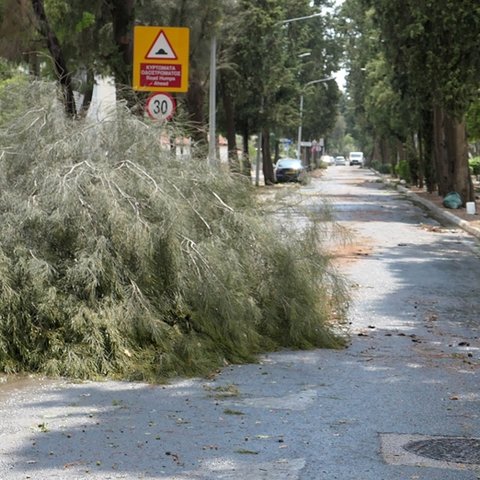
441, 215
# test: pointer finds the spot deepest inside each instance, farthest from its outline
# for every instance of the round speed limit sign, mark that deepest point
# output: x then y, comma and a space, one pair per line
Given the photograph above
160, 106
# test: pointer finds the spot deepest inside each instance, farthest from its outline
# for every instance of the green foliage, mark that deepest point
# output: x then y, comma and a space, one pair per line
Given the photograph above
261, 55
361, 46
384, 168
87, 20
10, 73
117, 259
432, 48
16, 30
407, 60
338, 139
10, 78
474, 164
402, 170
473, 120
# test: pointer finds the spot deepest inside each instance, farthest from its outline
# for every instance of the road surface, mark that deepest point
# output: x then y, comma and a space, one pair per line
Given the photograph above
402, 402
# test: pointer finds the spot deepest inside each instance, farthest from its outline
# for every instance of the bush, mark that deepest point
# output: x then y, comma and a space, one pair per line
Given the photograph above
402, 169
384, 168
474, 164
116, 259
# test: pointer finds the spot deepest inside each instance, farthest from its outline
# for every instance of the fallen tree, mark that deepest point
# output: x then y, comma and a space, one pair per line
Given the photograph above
118, 260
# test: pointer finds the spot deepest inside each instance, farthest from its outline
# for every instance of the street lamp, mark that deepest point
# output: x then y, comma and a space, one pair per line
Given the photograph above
290, 20
320, 80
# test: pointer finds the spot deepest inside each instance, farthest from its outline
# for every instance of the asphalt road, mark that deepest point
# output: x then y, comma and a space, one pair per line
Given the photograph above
402, 402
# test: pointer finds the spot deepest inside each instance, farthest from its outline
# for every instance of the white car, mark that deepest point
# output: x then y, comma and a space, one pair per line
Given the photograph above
340, 160
356, 158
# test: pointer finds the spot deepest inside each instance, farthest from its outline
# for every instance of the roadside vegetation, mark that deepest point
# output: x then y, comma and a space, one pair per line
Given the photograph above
413, 89
118, 260
474, 164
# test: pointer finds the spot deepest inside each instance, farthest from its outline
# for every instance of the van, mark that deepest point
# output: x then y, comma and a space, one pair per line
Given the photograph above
356, 158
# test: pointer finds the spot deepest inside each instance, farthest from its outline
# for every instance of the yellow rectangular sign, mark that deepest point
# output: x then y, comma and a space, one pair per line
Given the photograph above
160, 59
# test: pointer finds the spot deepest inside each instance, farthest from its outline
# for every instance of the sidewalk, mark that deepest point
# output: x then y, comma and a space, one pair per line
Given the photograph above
434, 204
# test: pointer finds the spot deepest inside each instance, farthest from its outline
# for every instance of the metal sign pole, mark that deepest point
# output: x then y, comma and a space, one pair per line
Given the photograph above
212, 144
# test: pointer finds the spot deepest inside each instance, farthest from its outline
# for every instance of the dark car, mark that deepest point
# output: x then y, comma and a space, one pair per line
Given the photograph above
289, 170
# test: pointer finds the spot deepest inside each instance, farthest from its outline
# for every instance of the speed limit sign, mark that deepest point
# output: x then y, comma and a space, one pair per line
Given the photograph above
160, 106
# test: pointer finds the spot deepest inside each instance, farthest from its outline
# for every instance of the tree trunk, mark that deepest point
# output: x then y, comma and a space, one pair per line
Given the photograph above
87, 98
440, 153
276, 154
393, 154
413, 162
377, 154
451, 156
267, 158
122, 12
195, 101
123, 15
246, 164
427, 150
59, 63
385, 151
230, 124
33, 64
457, 150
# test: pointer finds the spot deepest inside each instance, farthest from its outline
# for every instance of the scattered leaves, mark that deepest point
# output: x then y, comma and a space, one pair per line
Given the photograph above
229, 411
223, 391
43, 427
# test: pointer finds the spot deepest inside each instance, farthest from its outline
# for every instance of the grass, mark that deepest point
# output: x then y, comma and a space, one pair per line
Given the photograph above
118, 260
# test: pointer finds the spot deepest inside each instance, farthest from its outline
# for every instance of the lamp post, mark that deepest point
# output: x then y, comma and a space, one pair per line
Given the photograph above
299, 140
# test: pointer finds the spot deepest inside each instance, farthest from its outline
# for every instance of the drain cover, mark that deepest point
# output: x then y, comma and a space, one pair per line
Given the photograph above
451, 449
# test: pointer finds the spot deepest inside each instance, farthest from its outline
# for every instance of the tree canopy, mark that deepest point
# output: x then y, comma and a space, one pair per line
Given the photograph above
258, 55
413, 76
412, 70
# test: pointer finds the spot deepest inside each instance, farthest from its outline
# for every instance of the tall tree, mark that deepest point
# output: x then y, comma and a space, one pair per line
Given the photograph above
432, 46
270, 73
59, 63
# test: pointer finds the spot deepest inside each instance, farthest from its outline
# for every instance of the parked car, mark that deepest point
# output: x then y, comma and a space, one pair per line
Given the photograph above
289, 170
340, 160
356, 158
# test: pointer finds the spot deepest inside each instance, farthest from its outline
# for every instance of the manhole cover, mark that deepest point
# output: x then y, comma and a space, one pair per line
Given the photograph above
457, 450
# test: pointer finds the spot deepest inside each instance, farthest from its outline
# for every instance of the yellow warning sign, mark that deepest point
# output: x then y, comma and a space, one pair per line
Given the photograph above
160, 59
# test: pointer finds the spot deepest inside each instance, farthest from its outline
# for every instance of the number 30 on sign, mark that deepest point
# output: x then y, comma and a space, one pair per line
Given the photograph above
160, 106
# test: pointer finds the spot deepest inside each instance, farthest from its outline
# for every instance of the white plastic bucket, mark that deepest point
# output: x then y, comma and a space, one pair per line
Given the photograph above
471, 208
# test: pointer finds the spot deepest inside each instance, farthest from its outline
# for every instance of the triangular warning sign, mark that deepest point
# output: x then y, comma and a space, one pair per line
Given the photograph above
161, 48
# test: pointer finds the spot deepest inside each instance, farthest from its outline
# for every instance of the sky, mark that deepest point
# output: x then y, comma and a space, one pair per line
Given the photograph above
340, 78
